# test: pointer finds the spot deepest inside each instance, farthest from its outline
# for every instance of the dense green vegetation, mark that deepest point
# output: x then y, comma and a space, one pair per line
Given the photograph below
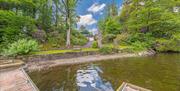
52, 23
140, 25
21, 47
143, 25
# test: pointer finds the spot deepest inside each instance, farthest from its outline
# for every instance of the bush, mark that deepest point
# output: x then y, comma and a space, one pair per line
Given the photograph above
164, 45
56, 39
106, 50
78, 39
1, 49
139, 46
108, 38
94, 44
127, 50
13, 26
21, 47
121, 39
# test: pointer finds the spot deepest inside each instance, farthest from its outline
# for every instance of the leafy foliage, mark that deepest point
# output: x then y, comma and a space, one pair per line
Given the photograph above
142, 22
106, 50
44, 20
13, 27
121, 39
95, 44
164, 45
78, 39
21, 47
108, 38
26, 6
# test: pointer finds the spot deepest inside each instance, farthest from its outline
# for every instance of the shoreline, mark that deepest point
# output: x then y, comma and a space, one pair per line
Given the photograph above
42, 65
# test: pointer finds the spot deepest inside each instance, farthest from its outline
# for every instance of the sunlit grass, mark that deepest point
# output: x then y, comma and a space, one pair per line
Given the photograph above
64, 51
90, 49
48, 52
124, 47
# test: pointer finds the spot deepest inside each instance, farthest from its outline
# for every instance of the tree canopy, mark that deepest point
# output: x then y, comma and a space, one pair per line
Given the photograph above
146, 23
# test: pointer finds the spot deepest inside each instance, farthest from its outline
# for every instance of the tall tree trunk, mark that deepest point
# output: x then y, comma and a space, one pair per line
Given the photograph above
57, 16
148, 16
68, 40
99, 39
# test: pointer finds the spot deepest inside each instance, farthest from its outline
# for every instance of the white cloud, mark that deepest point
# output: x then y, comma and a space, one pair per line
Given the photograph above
96, 7
119, 11
120, 8
94, 30
86, 20
101, 13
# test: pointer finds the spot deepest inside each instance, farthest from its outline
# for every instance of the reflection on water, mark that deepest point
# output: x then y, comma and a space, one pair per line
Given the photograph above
89, 80
158, 73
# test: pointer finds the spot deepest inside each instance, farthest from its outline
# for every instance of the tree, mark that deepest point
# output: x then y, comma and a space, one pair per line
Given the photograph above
13, 27
112, 9
150, 20
110, 26
44, 14
84, 31
57, 12
68, 10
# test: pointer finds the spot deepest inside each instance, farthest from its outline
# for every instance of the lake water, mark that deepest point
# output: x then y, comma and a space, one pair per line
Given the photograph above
158, 73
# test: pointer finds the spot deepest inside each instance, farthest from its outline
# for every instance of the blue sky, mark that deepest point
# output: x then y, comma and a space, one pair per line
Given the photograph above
90, 11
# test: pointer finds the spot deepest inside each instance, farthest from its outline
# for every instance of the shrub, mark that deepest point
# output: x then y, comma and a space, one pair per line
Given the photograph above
139, 46
141, 41
13, 26
108, 38
164, 45
56, 39
94, 44
106, 50
78, 39
121, 39
127, 50
1, 49
21, 47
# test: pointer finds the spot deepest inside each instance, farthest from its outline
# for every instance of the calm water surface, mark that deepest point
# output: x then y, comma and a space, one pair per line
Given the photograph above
158, 73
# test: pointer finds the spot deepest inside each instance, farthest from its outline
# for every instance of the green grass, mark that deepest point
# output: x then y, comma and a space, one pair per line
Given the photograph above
90, 49
119, 47
78, 50
64, 51
124, 47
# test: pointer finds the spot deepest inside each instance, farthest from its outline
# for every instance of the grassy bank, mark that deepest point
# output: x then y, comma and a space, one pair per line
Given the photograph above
64, 51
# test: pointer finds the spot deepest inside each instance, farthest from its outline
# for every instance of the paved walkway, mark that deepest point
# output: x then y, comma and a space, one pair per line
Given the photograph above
88, 45
14, 80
